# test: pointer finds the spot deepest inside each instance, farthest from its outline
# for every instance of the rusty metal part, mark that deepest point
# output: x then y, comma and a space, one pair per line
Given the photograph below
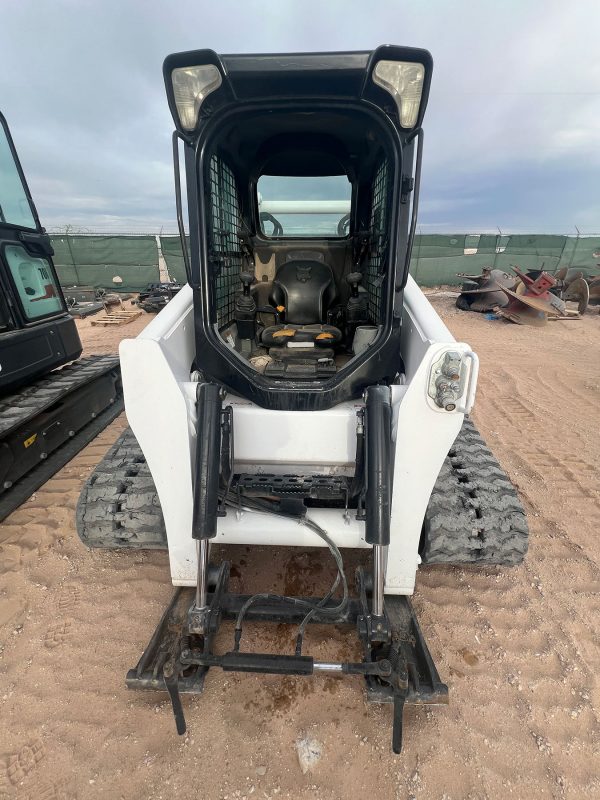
533, 301
486, 292
490, 280
548, 304
571, 276
522, 314
578, 291
564, 276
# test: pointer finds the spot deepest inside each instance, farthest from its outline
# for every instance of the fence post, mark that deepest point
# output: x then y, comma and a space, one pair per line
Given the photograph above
77, 278
562, 252
574, 247
497, 248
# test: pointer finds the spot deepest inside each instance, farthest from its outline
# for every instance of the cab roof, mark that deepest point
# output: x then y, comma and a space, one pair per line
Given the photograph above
281, 77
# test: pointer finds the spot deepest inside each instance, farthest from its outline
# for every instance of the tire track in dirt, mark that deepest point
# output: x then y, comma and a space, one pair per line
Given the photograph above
555, 452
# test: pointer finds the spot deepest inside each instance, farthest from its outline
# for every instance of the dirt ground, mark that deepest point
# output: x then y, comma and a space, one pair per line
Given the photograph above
518, 647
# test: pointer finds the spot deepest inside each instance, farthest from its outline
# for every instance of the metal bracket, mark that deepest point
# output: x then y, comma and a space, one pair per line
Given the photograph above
371, 629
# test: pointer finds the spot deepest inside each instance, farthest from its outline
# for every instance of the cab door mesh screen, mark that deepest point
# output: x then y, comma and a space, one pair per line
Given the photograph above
225, 253
374, 274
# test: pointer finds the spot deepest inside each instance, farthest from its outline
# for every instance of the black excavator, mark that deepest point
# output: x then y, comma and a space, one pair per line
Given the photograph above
52, 402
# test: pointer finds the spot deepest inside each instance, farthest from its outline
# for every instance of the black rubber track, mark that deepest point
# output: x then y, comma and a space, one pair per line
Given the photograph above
118, 506
18, 408
474, 515
14, 497
29, 404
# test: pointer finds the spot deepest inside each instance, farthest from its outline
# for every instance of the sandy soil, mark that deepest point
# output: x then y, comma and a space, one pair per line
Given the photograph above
518, 647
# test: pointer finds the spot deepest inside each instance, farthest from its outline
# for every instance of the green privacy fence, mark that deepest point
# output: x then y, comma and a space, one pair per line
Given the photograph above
96, 260
436, 259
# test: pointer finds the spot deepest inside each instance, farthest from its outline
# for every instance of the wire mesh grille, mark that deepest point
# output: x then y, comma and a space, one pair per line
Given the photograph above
374, 276
225, 250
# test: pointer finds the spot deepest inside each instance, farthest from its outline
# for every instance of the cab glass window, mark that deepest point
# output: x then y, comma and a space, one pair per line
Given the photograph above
14, 205
304, 206
35, 283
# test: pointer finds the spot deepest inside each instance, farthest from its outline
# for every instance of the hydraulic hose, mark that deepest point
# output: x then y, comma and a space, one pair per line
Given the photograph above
253, 504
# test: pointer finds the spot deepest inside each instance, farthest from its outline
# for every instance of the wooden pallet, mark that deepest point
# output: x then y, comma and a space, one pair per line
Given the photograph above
117, 317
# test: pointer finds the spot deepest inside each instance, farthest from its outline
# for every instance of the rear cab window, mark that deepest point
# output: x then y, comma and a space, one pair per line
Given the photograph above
296, 207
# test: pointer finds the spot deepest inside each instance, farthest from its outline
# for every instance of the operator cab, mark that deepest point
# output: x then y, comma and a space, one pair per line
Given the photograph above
302, 308
299, 176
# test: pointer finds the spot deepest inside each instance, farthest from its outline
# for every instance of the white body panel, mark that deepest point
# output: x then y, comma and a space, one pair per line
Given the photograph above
160, 406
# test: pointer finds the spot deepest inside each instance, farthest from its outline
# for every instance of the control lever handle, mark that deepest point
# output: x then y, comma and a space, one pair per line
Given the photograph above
247, 279
354, 278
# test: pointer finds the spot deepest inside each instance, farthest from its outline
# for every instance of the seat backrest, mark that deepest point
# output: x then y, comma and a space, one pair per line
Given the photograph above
306, 289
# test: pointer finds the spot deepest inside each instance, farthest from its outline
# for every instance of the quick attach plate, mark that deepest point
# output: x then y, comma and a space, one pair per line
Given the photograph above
399, 671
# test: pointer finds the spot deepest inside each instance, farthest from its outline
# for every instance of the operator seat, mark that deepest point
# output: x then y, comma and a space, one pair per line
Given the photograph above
303, 292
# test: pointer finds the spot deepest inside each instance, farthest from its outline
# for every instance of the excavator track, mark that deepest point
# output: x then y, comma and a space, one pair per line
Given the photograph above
474, 515
45, 424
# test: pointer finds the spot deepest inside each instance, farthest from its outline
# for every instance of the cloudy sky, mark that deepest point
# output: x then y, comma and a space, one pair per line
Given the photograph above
512, 130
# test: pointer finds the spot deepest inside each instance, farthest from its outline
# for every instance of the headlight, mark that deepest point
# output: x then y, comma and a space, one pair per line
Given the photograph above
404, 81
191, 85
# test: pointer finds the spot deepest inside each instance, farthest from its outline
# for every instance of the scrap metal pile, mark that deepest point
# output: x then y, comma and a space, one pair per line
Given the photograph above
156, 295
530, 298
82, 301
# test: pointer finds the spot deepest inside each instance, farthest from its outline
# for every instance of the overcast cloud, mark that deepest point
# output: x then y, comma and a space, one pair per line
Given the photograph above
512, 133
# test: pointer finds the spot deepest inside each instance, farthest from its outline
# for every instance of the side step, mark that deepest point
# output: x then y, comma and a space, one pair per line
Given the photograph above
177, 661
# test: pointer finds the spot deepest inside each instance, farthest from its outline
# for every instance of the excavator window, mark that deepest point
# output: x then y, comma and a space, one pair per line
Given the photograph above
34, 282
15, 208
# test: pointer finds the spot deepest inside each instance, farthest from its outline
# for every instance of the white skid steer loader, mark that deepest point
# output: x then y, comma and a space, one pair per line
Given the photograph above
300, 391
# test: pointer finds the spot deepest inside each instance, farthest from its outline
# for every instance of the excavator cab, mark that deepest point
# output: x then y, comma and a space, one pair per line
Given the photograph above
37, 334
